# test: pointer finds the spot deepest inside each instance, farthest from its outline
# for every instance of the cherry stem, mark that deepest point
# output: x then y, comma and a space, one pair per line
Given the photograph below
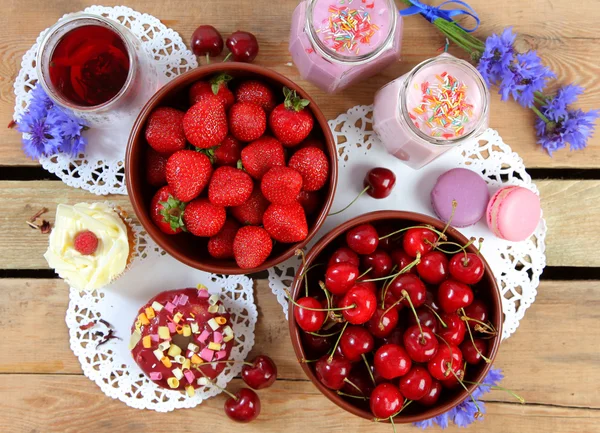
499, 388
364, 273
454, 205
385, 287
227, 361
412, 307
393, 276
337, 342
369, 369
349, 307
213, 383
392, 422
436, 315
300, 253
352, 202
352, 396
353, 385
324, 335
307, 361
486, 359
207, 59
390, 309
484, 325
227, 57
433, 229
327, 294
466, 389
460, 247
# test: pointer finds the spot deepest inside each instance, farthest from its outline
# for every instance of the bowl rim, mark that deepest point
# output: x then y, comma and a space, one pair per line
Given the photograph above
185, 79
370, 218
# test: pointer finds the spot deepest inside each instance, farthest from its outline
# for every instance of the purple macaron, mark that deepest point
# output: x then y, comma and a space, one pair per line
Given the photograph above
470, 192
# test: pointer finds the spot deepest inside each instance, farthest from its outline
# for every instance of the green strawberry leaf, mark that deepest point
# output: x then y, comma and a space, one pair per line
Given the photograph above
293, 101
218, 80
172, 213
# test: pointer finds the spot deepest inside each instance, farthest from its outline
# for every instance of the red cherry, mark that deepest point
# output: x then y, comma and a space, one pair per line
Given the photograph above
420, 347
245, 407
243, 46
262, 373
344, 255
454, 332
447, 359
387, 244
316, 346
390, 300
430, 299
453, 295
340, 277
391, 361
308, 320
395, 337
433, 395
467, 269
452, 381
359, 378
332, 372
419, 241
433, 268
363, 239
478, 311
402, 260
356, 341
309, 200
426, 318
416, 383
386, 399
369, 285
381, 325
207, 40
472, 350
381, 182
413, 286
364, 302
85, 243
380, 263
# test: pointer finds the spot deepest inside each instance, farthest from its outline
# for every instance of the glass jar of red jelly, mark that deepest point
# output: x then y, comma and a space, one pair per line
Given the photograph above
440, 104
95, 67
336, 43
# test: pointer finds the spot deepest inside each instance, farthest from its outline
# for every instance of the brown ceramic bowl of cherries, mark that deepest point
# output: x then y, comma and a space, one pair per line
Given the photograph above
396, 316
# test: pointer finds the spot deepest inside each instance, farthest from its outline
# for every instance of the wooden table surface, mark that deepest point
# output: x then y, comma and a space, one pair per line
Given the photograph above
552, 360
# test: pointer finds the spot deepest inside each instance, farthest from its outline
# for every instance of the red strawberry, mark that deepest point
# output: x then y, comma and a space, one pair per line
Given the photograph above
202, 218
188, 172
257, 93
251, 247
167, 212
313, 165
251, 212
164, 130
281, 185
220, 246
309, 200
289, 121
85, 242
286, 223
216, 86
247, 121
156, 164
228, 152
229, 186
205, 123
262, 155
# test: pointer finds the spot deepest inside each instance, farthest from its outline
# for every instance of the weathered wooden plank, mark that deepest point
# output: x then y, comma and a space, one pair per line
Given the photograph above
534, 360
568, 46
567, 245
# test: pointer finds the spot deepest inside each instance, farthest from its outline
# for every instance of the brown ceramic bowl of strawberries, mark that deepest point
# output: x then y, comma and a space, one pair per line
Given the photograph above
231, 168
389, 318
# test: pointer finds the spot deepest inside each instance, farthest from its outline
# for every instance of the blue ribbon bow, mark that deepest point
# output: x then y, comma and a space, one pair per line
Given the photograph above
433, 12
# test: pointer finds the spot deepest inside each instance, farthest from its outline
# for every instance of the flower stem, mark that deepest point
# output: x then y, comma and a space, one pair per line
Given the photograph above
539, 113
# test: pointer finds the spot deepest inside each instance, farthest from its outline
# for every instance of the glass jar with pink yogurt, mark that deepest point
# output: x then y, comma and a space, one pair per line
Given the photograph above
335, 43
440, 104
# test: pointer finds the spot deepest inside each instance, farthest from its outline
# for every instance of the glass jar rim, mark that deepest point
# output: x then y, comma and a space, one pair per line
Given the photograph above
42, 66
465, 66
334, 56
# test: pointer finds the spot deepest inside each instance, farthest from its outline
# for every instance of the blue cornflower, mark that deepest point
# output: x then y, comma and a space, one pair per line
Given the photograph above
444, 419
40, 137
424, 424
40, 101
467, 412
497, 56
572, 127
525, 76
74, 146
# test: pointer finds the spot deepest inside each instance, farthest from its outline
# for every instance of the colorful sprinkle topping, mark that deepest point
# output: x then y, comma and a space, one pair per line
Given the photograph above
347, 28
444, 111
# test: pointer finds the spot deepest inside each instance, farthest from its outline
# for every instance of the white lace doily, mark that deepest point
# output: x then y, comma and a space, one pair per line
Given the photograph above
101, 169
517, 266
111, 365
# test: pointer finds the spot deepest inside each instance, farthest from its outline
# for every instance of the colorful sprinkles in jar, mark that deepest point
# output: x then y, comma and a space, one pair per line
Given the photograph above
444, 111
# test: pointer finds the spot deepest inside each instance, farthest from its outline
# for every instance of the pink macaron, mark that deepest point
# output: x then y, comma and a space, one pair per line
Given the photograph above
513, 213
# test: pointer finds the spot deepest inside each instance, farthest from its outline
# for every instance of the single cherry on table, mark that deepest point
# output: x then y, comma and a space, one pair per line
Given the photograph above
380, 182
244, 406
207, 40
261, 374
243, 46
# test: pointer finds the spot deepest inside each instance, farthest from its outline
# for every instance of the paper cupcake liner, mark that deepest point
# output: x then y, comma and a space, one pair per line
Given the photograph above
132, 237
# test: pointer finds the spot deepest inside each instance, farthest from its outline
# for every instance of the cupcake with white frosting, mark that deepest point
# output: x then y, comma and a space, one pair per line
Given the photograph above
91, 244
